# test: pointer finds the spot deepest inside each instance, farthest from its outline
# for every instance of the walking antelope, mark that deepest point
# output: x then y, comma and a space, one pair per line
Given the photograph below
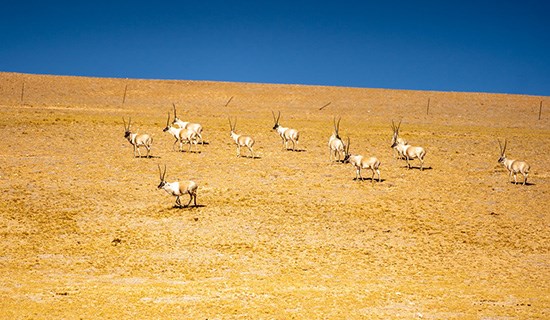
286, 134
359, 162
195, 127
513, 166
335, 144
181, 134
137, 140
408, 151
399, 140
240, 140
178, 189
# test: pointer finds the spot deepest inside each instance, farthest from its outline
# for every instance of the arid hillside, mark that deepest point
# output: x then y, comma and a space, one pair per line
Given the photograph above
85, 233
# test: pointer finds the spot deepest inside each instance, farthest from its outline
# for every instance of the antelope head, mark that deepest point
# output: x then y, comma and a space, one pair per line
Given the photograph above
337, 127
175, 116
162, 174
395, 133
276, 125
347, 154
167, 123
127, 128
232, 125
502, 151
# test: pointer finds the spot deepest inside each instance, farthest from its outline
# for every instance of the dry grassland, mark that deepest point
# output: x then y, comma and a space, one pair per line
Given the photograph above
85, 233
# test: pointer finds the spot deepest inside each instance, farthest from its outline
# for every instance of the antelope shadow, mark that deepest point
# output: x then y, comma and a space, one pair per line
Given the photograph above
521, 183
368, 179
418, 168
147, 157
189, 207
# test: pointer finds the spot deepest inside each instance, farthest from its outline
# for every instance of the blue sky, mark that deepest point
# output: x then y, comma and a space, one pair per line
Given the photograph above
476, 46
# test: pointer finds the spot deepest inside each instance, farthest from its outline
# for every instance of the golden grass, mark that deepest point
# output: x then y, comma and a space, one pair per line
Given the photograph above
86, 234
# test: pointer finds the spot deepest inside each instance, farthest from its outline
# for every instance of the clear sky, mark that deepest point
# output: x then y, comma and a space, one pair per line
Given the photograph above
477, 46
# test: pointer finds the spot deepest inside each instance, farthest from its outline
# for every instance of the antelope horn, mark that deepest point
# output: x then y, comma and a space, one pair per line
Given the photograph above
338, 125
125, 128
160, 172
173, 104
273, 113
347, 147
505, 143
279, 117
168, 121
399, 126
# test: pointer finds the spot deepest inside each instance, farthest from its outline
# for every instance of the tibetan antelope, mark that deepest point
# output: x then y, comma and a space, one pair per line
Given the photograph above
408, 151
513, 166
181, 135
137, 140
195, 127
399, 140
286, 134
178, 189
335, 144
359, 162
240, 140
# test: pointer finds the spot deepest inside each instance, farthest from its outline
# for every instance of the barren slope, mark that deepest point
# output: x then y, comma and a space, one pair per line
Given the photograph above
86, 234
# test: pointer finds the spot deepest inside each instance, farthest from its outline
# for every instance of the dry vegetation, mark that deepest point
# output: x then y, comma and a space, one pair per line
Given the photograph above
85, 233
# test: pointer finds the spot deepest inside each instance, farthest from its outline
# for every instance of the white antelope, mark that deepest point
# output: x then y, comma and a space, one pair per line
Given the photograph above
286, 134
399, 140
181, 135
335, 144
513, 166
240, 140
359, 162
178, 189
137, 140
195, 127
408, 151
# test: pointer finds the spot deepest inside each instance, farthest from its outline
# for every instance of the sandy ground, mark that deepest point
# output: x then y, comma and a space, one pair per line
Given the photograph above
85, 233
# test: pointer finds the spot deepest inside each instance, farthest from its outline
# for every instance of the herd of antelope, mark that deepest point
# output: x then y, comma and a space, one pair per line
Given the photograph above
191, 134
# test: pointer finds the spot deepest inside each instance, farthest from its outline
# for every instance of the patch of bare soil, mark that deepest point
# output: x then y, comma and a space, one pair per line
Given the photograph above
85, 233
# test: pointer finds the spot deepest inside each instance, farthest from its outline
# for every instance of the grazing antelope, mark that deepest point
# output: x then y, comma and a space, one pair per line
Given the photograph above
335, 144
408, 151
286, 134
399, 140
137, 140
359, 162
181, 135
240, 140
513, 166
178, 189
195, 127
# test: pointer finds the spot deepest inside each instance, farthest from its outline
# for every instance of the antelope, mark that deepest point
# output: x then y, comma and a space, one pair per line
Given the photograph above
181, 134
335, 144
513, 166
175, 132
178, 189
137, 140
399, 140
240, 140
408, 151
197, 128
286, 134
359, 162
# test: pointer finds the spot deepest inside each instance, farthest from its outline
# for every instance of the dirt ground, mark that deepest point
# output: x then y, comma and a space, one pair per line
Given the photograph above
85, 233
